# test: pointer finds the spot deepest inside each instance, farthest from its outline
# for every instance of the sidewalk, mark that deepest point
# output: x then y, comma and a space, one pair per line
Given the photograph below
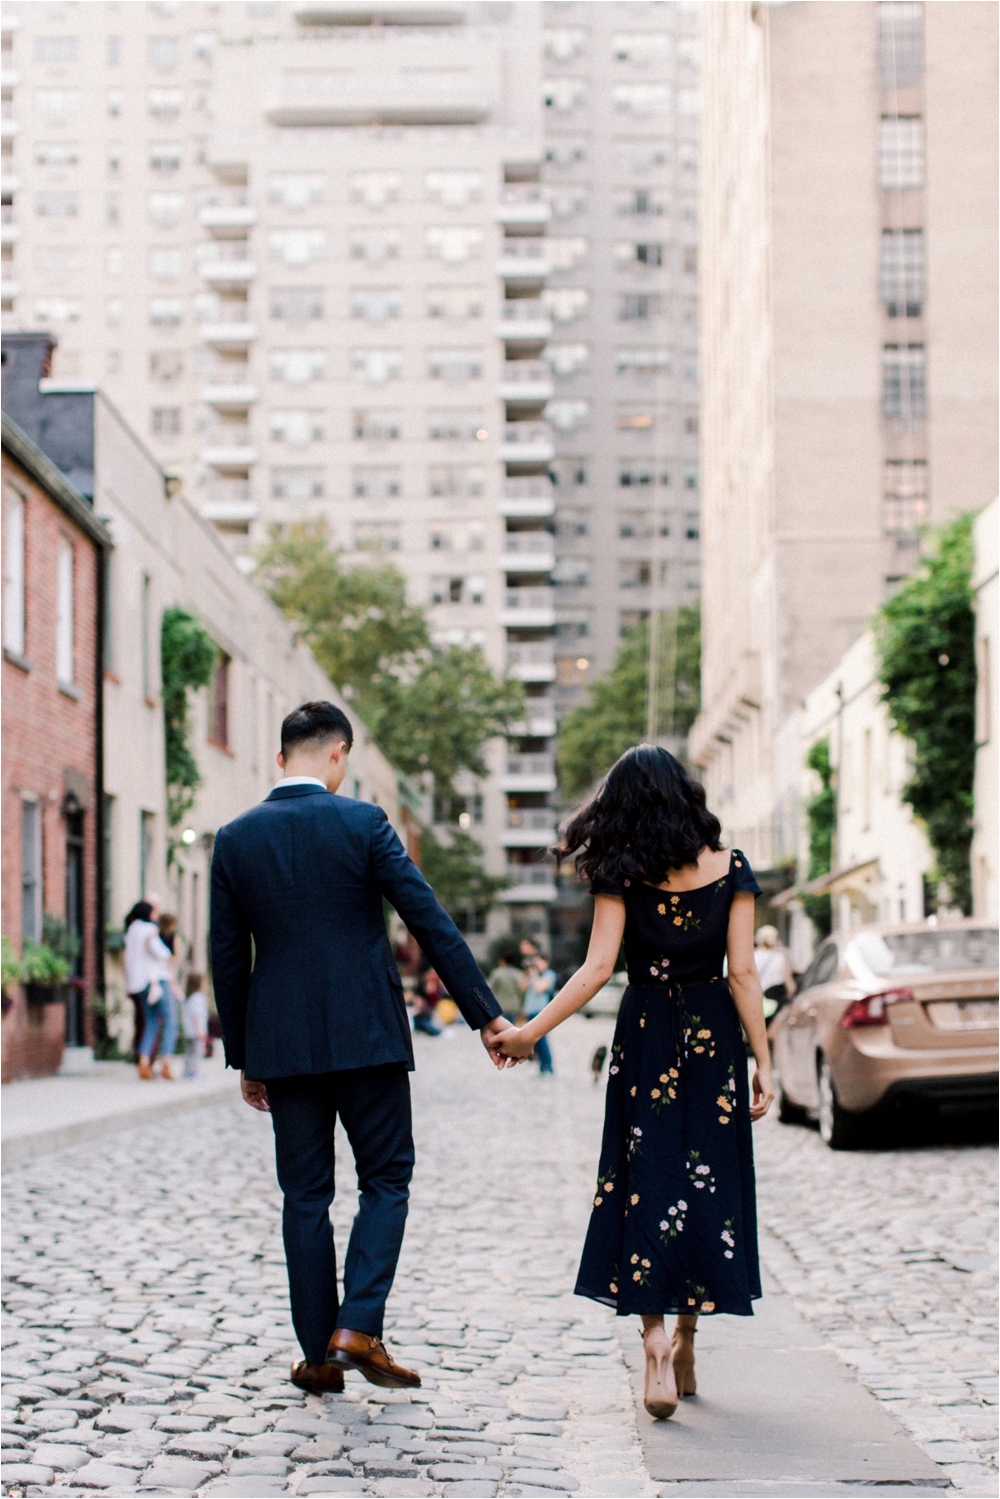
43, 1114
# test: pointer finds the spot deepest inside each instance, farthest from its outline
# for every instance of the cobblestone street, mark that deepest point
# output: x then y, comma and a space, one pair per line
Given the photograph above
148, 1342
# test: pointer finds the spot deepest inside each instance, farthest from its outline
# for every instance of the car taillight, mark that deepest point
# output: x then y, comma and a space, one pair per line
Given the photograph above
872, 1009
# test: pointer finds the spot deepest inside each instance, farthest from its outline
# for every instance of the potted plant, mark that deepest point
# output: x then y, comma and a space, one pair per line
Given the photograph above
44, 973
11, 975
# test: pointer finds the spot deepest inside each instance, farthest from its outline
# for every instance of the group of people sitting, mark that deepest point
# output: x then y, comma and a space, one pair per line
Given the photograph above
153, 962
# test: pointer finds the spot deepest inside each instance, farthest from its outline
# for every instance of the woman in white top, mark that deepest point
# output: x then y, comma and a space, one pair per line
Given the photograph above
773, 969
150, 958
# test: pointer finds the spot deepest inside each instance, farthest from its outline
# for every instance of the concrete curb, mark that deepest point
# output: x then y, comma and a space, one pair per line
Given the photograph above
28, 1147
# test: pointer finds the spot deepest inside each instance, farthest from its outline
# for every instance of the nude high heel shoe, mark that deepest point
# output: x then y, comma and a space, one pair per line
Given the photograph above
660, 1395
683, 1351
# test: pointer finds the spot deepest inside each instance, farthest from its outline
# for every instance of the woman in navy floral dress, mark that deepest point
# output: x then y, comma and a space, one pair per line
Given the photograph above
673, 1228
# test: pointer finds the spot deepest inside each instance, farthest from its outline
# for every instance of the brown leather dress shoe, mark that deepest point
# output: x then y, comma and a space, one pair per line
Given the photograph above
358, 1350
318, 1379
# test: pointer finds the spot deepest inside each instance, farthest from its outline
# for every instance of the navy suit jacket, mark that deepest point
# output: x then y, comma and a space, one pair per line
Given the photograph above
302, 968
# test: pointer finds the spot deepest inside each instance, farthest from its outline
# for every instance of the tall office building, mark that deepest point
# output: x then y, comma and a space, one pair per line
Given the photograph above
849, 321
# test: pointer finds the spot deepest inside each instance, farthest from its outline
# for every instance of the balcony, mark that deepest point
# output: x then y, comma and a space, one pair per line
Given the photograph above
525, 380
230, 268
528, 551
229, 397
529, 773
10, 231
229, 445
523, 259
527, 442
539, 720
385, 13
532, 882
529, 827
381, 97
528, 608
229, 501
227, 213
524, 320
230, 328
527, 499
531, 663
523, 203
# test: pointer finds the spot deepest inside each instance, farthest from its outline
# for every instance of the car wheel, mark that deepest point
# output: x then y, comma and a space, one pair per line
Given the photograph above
788, 1112
838, 1129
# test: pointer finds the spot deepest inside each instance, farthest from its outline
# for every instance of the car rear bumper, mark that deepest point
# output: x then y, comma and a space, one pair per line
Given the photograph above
977, 1087
870, 1069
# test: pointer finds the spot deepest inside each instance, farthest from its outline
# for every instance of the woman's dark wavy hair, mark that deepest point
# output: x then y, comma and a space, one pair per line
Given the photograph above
647, 818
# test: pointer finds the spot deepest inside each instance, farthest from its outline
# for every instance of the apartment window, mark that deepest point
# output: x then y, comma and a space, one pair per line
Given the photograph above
567, 202
376, 303
377, 483
375, 188
566, 303
454, 189
901, 272
374, 246
639, 307
689, 260
218, 702
635, 525
296, 304
64, 613
165, 156
642, 49
451, 590
454, 364
456, 304
297, 484
572, 572
165, 209
297, 366
55, 49
572, 522
57, 101
641, 475
628, 254
113, 51
31, 869
566, 154
112, 209
453, 243
568, 415
631, 619
13, 575
377, 536
376, 366
641, 419
691, 575
562, 95
905, 502
567, 360
377, 424
295, 190
296, 427
164, 52
904, 382
455, 425
166, 262
567, 473
113, 158
57, 154
165, 421
164, 103
454, 480
901, 151
166, 312
114, 102
296, 246
57, 205
571, 627
166, 365
566, 254
639, 201
635, 574
643, 362
147, 831
900, 43
454, 808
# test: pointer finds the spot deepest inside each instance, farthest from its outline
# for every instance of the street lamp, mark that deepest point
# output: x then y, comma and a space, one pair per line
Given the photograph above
188, 837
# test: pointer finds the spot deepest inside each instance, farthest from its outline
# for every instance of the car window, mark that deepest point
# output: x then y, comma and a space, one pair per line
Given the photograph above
935, 950
823, 966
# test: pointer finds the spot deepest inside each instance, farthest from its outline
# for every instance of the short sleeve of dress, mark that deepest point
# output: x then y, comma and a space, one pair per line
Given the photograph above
601, 884
743, 875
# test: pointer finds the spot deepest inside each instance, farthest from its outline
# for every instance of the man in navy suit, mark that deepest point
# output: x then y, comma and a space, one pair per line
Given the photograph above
312, 1012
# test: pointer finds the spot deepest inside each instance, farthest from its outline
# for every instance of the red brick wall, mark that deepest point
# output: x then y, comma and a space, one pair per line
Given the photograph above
44, 734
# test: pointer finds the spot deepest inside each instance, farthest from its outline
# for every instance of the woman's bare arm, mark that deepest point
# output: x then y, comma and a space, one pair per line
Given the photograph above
748, 996
599, 965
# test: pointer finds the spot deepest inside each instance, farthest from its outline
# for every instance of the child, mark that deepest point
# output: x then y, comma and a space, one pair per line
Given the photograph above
195, 1024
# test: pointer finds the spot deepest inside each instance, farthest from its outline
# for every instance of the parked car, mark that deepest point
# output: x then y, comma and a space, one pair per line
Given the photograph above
607, 1001
885, 1013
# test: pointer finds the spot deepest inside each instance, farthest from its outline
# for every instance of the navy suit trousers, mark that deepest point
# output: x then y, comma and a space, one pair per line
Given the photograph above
374, 1106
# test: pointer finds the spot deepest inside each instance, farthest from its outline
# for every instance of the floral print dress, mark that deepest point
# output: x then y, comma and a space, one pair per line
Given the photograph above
674, 1222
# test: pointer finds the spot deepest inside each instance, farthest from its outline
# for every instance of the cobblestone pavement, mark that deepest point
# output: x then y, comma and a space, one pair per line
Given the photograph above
147, 1336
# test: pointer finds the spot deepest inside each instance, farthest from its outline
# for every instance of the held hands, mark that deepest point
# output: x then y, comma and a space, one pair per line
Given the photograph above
514, 1045
493, 1036
763, 1093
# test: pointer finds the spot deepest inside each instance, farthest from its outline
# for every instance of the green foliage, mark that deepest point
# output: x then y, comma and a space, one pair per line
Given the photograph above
925, 637
41, 966
821, 820
592, 736
11, 964
431, 709
455, 870
187, 659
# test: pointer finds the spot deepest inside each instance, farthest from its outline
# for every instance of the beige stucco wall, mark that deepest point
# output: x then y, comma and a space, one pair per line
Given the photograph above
985, 857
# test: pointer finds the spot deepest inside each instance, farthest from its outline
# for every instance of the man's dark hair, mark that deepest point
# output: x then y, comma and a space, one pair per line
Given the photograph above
315, 724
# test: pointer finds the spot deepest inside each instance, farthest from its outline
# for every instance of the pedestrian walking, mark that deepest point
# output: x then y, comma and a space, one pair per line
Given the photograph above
673, 1227
312, 1011
774, 969
140, 923
505, 981
195, 1020
538, 991
160, 1004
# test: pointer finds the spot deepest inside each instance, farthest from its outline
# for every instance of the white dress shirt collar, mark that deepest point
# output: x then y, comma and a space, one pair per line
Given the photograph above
301, 781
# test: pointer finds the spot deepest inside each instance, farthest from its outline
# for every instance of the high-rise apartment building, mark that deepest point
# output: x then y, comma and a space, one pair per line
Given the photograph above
848, 350
426, 272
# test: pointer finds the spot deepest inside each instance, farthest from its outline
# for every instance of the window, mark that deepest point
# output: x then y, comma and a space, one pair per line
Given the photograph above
901, 151
376, 303
567, 360
454, 189
566, 254
166, 312
455, 304
567, 202
562, 95
165, 156
631, 619
567, 473
635, 524
900, 43
643, 362
113, 158
377, 483
640, 475
639, 307
165, 421
298, 428
572, 572
64, 613
901, 272
455, 480
163, 52
451, 424
572, 521
377, 424
905, 504
166, 209
904, 382
147, 830
218, 703
376, 366
573, 626
636, 419
375, 188
642, 48
453, 243
57, 205
166, 365
566, 303
55, 48
57, 101
377, 536
452, 590
635, 574
113, 309
114, 101
13, 575
374, 246
113, 53
628, 254
164, 103
112, 208
295, 190
297, 366
297, 484
166, 262
296, 304
640, 201
296, 246
454, 364
454, 808
31, 869
57, 154
568, 415
692, 525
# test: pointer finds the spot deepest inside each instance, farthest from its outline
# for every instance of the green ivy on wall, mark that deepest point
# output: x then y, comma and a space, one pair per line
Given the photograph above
925, 639
187, 659
821, 820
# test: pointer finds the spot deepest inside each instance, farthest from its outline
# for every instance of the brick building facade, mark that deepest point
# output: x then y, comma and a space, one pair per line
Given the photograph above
54, 557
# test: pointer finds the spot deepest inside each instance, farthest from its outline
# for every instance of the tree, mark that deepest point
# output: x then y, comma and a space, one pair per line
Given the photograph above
187, 659
431, 708
592, 736
821, 820
455, 869
925, 638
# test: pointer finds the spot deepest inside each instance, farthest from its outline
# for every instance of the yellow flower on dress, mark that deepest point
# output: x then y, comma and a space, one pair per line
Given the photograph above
704, 1035
675, 900
723, 1118
678, 921
655, 1093
634, 1198
708, 1306
664, 1078
642, 1021
661, 909
635, 1259
613, 1289
632, 1092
